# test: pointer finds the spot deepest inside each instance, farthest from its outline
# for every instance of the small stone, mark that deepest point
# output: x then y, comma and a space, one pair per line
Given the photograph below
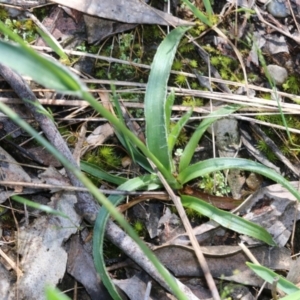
278, 8
279, 74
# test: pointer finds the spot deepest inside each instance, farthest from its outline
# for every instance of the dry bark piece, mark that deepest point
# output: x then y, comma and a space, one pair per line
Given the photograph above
230, 266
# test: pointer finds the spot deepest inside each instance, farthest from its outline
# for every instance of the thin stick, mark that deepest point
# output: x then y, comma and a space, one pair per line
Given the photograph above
202, 261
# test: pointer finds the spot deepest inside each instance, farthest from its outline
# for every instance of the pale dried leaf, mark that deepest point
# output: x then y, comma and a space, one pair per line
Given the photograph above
134, 287
273, 208
40, 245
10, 170
129, 11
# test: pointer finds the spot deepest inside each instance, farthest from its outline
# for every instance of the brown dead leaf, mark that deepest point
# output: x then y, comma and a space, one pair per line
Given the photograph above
81, 266
129, 11
98, 29
40, 246
273, 208
10, 170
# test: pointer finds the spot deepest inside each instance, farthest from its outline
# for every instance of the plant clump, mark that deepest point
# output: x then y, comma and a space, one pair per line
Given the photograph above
215, 184
105, 157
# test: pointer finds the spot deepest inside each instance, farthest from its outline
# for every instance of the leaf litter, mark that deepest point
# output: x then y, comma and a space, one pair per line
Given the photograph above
41, 242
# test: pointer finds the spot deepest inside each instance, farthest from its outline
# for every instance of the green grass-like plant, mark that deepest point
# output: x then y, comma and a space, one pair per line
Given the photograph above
158, 149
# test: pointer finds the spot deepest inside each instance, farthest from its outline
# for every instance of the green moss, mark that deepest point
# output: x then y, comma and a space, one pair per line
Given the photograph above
24, 28
193, 102
193, 63
266, 150
195, 85
139, 227
105, 157
180, 79
226, 67
292, 84
177, 65
185, 46
3, 14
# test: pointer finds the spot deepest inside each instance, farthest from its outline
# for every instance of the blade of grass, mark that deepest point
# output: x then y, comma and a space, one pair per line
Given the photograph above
227, 219
176, 130
274, 88
44, 208
54, 45
208, 8
293, 296
169, 105
54, 294
53, 76
200, 15
217, 164
97, 172
100, 225
190, 148
156, 95
269, 276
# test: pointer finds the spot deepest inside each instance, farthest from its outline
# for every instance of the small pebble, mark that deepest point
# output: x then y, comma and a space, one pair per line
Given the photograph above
278, 73
278, 8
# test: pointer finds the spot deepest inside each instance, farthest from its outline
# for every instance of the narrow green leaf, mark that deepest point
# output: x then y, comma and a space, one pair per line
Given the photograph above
133, 138
176, 130
208, 8
223, 163
156, 94
42, 70
99, 231
269, 276
42, 207
292, 296
227, 219
194, 140
216, 164
54, 294
53, 44
125, 141
169, 105
199, 14
99, 173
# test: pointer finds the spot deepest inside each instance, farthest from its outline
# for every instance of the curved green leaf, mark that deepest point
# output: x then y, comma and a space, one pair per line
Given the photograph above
199, 14
168, 106
42, 70
101, 174
52, 293
173, 135
99, 229
156, 94
227, 219
269, 276
190, 148
216, 164
293, 296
